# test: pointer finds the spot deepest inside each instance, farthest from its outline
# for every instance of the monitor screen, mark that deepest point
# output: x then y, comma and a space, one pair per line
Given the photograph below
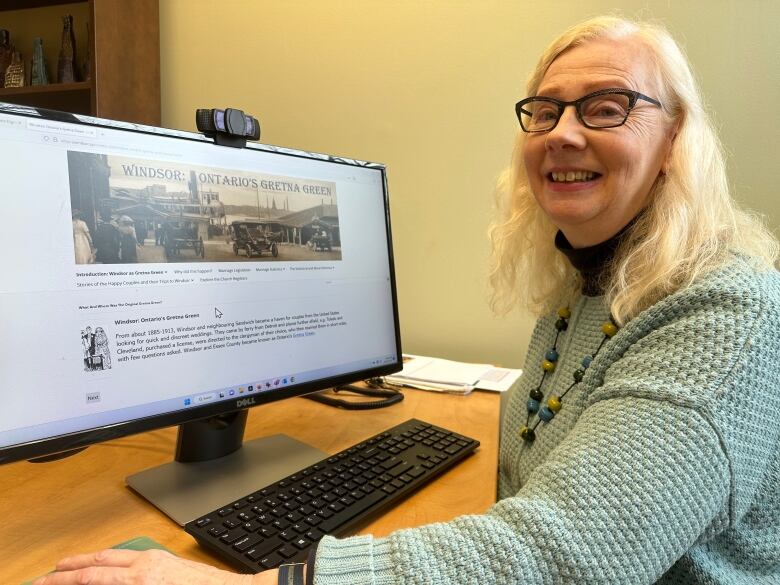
152, 278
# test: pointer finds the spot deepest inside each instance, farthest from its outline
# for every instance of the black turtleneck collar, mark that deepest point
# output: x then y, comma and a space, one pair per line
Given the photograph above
592, 262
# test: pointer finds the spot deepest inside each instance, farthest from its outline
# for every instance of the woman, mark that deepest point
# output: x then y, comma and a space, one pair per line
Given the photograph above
645, 449
129, 242
82, 241
101, 347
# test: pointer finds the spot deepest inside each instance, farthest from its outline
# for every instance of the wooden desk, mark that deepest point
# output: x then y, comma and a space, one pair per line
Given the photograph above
81, 503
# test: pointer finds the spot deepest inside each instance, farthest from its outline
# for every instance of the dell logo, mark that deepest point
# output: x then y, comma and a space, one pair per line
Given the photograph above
245, 402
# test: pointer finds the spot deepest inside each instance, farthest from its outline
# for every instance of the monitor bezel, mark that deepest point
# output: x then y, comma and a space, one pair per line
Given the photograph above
84, 438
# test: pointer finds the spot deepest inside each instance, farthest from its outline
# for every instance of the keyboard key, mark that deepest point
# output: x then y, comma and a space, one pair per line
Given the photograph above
390, 463
360, 506
245, 543
271, 561
280, 524
396, 471
254, 554
232, 536
287, 551
336, 507
267, 546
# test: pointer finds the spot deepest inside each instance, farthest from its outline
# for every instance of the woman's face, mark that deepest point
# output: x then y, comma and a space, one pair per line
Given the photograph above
625, 161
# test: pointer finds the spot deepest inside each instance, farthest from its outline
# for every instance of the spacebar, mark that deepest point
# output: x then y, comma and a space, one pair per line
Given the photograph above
351, 511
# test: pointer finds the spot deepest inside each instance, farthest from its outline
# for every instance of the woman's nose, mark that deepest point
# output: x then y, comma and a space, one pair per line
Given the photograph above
568, 132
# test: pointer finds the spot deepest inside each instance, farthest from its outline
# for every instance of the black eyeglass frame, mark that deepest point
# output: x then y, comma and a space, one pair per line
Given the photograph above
633, 97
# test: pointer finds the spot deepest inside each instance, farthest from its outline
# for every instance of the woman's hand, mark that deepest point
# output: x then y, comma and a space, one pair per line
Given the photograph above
151, 567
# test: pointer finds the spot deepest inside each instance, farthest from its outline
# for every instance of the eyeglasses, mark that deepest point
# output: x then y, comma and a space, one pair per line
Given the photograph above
606, 108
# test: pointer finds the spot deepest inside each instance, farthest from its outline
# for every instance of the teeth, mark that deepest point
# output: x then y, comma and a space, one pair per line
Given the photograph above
571, 176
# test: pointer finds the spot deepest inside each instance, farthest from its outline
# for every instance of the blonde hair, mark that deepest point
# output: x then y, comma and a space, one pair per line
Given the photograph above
690, 226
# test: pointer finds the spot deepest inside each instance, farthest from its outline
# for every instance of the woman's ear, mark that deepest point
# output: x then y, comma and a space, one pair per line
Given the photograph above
670, 137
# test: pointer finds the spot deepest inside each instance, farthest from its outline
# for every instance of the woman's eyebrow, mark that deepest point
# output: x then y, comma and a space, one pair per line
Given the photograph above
587, 87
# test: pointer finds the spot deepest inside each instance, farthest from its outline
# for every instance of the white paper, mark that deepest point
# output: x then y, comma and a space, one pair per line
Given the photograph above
498, 379
458, 376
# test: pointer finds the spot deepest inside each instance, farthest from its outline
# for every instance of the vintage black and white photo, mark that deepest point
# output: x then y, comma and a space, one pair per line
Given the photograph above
127, 211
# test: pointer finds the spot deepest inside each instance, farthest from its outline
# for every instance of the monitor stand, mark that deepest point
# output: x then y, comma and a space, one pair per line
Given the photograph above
214, 467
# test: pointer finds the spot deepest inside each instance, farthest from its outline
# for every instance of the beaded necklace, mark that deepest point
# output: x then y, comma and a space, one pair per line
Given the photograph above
547, 412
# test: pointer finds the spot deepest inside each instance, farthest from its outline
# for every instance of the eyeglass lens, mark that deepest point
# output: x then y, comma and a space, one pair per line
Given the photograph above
600, 111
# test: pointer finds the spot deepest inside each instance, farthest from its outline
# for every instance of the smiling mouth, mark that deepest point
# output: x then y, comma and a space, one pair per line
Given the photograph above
572, 176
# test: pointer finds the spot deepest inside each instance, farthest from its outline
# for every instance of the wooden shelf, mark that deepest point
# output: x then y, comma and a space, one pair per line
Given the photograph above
24, 4
44, 89
69, 97
124, 52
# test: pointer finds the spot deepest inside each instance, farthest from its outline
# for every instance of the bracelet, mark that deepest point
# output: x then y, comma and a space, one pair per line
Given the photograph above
291, 574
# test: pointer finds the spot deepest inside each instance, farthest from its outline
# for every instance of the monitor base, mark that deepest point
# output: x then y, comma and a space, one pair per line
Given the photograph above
186, 491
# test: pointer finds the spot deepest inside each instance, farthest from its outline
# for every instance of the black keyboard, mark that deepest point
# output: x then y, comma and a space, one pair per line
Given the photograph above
280, 523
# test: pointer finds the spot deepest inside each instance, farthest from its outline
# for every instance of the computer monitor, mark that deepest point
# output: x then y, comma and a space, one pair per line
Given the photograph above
153, 278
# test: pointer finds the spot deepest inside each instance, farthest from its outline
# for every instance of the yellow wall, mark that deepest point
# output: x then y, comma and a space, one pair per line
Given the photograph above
428, 88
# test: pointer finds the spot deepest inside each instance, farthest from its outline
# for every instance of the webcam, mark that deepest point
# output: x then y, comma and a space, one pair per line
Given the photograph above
228, 127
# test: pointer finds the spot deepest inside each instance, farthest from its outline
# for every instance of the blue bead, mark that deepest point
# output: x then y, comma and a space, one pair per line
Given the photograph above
551, 355
546, 414
586, 361
533, 405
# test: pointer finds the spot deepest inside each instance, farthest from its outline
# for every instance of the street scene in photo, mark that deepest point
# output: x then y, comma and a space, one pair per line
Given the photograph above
132, 211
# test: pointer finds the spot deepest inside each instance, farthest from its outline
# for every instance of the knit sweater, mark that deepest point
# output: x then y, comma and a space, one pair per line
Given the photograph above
663, 465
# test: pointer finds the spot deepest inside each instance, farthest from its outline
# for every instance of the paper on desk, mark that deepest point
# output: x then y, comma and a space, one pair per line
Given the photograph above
452, 376
498, 379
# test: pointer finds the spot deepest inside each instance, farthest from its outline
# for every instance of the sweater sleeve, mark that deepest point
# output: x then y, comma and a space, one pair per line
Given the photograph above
631, 488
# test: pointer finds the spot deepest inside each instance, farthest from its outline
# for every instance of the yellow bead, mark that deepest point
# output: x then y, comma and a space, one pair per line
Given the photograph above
564, 313
554, 404
548, 366
609, 329
527, 434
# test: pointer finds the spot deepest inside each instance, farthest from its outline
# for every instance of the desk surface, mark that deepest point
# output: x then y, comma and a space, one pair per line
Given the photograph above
81, 503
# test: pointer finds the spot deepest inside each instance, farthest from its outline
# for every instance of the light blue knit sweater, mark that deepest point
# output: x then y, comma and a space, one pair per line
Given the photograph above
663, 466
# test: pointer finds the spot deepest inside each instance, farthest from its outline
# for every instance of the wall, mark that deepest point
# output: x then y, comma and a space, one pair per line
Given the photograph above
428, 87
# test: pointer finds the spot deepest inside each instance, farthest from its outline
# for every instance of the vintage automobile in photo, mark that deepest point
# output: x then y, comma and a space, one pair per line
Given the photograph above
254, 238
182, 235
320, 240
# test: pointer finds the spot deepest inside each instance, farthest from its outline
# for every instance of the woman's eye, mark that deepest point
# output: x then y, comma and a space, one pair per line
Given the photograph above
604, 109
546, 114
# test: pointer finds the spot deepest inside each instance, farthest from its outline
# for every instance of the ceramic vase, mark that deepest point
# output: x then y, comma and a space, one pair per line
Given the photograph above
38, 73
6, 53
66, 64
14, 75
